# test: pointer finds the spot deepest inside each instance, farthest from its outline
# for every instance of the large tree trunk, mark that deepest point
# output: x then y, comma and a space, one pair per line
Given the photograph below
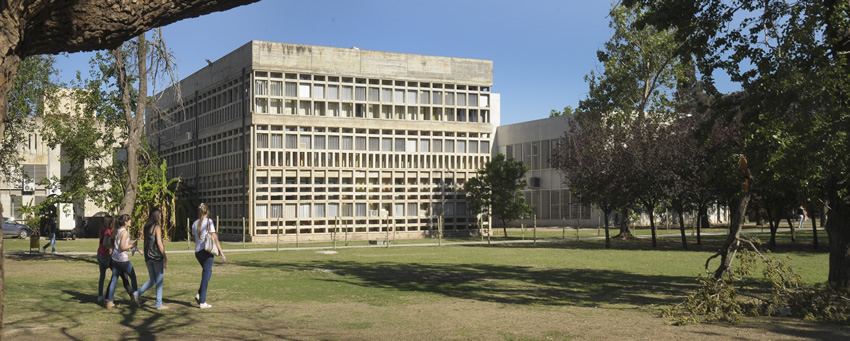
682, 229
793, 232
135, 122
652, 226
814, 230
2, 279
731, 244
726, 253
774, 225
838, 230
625, 221
607, 233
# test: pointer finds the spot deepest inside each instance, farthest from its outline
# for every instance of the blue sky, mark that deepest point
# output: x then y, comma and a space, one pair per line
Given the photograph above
540, 49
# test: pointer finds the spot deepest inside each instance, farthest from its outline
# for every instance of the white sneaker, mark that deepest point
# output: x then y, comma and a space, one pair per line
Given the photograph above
205, 305
197, 298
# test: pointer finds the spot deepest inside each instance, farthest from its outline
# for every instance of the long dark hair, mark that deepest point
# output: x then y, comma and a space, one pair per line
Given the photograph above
154, 219
107, 225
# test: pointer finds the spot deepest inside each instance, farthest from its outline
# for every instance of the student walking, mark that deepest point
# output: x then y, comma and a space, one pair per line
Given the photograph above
155, 258
120, 260
201, 230
104, 258
51, 231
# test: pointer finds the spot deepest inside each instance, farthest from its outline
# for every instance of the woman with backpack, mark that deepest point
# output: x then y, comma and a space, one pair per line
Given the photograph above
202, 229
120, 260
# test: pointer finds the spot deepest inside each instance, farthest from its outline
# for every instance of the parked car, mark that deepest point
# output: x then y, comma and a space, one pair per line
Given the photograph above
13, 229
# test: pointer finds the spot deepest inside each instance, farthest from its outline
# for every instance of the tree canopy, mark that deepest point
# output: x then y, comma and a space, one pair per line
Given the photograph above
496, 190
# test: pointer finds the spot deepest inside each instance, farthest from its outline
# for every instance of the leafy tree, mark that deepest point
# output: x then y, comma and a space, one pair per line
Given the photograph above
793, 64
568, 110
497, 190
50, 27
28, 97
593, 164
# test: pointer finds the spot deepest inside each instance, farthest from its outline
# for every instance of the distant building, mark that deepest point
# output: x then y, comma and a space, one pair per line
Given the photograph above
39, 162
533, 143
302, 139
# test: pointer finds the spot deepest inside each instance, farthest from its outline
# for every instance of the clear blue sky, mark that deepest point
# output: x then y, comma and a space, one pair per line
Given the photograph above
541, 49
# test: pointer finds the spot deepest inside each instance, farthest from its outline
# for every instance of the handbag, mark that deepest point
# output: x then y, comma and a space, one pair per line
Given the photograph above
209, 243
152, 251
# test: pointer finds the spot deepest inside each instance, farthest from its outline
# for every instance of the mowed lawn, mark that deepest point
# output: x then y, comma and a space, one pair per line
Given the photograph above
548, 291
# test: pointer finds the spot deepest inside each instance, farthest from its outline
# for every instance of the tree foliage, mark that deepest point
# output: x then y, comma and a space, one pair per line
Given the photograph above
792, 61
496, 190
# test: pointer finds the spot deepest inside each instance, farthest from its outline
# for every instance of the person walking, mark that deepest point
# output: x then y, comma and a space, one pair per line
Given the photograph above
155, 258
801, 215
201, 230
104, 258
120, 261
51, 231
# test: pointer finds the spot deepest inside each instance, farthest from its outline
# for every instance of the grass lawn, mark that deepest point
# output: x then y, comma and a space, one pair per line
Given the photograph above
549, 291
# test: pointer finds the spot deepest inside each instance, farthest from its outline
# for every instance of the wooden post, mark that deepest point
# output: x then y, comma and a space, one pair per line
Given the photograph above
188, 234
277, 232
333, 234
346, 230
243, 232
297, 233
489, 229
522, 227
440, 231
535, 229
388, 233
564, 228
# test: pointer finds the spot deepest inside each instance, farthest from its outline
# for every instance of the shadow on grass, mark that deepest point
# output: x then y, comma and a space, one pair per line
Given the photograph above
709, 243
50, 258
502, 283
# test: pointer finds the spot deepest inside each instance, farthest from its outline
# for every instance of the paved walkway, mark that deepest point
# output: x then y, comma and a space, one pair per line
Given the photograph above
495, 241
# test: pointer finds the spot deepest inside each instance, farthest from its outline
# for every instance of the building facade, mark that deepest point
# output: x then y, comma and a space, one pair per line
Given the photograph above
533, 143
307, 140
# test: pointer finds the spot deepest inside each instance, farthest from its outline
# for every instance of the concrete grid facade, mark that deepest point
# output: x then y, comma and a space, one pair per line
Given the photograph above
302, 139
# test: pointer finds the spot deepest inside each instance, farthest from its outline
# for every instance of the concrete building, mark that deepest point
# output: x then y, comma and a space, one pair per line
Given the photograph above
301, 139
39, 162
533, 143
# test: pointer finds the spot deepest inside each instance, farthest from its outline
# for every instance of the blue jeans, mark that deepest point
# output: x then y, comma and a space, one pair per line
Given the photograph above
51, 243
206, 260
119, 268
802, 218
156, 271
104, 261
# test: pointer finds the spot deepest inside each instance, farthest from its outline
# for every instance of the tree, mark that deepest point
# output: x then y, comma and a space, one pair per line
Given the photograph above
593, 165
48, 27
568, 110
497, 190
793, 64
31, 91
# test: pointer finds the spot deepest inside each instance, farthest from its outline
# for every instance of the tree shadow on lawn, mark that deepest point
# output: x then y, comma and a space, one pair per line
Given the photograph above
503, 283
50, 257
710, 243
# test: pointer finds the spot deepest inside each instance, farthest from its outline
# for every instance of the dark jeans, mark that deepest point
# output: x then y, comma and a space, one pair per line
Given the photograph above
206, 260
121, 269
105, 262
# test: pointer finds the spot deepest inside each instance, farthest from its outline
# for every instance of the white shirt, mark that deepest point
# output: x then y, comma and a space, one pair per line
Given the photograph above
200, 238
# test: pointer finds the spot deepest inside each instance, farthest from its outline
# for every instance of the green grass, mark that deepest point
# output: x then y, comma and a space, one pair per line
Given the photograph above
381, 293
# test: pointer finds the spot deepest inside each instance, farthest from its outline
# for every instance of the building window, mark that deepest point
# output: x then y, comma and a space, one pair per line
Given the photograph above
318, 91
277, 89
291, 141
320, 142
387, 145
360, 93
399, 96
261, 87
304, 90
291, 89
333, 142
374, 95
333, 92
411, 97
386, 95
346, 93
260, 211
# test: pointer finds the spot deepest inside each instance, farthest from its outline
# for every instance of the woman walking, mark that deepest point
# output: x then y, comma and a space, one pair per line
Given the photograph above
104, 258
155, 258
120, 261
201, 230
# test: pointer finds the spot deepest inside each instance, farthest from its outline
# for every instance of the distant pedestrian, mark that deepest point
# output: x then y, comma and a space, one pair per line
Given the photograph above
801, 215
120, 261
51, 232
201, 230
155, 258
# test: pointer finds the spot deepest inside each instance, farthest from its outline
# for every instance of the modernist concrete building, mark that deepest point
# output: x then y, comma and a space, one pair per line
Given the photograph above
301, 139
533, 143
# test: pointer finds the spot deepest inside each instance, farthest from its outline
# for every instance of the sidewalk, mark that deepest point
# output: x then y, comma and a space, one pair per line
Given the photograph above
527, 241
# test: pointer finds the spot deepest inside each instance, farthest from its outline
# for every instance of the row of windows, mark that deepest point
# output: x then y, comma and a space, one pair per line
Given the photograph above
362, 143
265, 88
369, 81
535, 155
360, 110
369, 160
333, 210
556, 204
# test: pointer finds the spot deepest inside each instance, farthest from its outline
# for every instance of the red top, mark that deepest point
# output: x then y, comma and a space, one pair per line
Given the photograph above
101, 250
